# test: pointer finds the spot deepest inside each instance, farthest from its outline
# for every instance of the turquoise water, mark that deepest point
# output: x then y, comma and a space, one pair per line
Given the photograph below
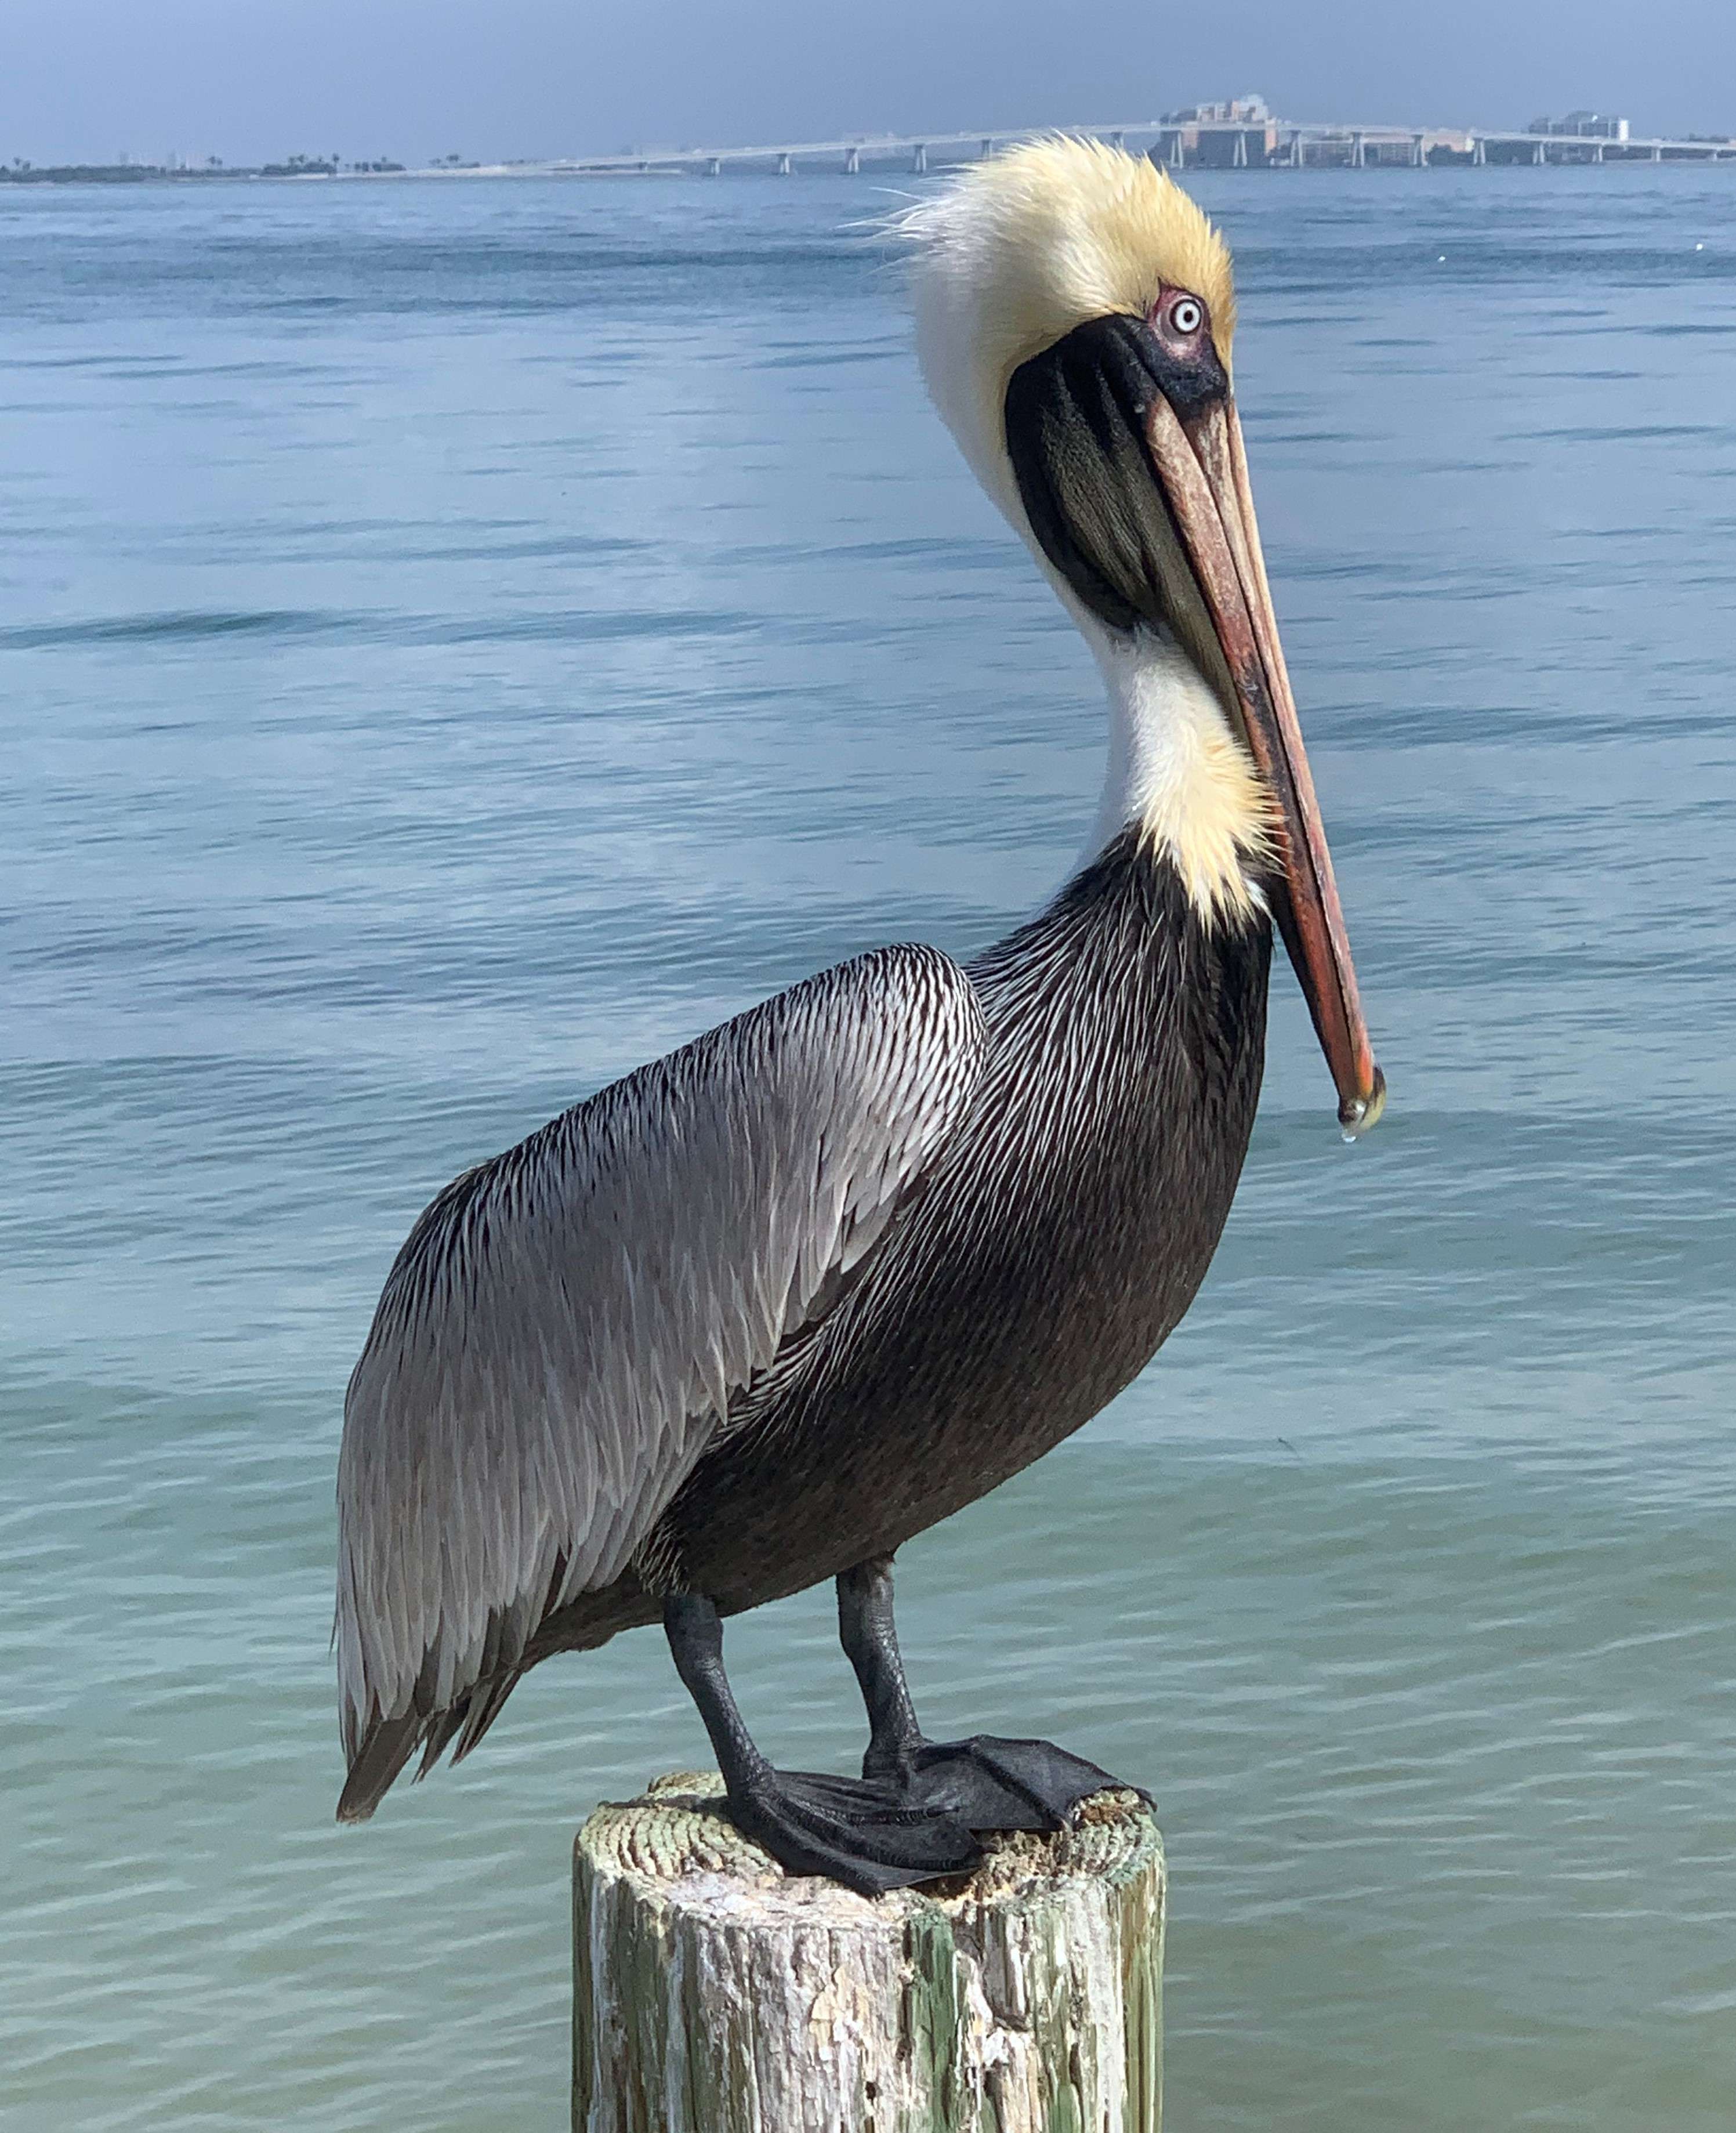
459, 640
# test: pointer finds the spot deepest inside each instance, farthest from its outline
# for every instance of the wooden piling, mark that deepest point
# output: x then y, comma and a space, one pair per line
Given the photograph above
714, 1994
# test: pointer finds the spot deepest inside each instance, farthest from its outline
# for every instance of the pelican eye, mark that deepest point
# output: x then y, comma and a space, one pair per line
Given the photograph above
1187, 315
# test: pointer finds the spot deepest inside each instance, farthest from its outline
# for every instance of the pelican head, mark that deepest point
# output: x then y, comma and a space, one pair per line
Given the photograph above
1075, 313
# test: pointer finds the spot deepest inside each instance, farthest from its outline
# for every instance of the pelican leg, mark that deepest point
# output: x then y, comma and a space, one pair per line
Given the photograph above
869, 1636
860, 1831
987, 1782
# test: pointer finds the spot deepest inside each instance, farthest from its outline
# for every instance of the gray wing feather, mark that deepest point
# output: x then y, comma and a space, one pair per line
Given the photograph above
568, 1323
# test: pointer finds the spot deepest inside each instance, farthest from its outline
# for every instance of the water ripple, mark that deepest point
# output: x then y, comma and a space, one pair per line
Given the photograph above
470, 637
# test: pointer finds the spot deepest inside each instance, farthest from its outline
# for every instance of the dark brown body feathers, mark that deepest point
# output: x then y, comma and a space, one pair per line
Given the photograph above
1048, 1255
1033, 1270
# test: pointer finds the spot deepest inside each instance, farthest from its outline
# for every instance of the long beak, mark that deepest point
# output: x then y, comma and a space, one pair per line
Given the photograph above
1203, 470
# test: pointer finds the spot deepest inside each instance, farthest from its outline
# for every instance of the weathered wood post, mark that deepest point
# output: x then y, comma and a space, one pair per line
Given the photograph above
713, 1994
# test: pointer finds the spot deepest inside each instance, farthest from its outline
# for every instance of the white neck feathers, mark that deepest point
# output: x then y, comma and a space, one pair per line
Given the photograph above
1177, 772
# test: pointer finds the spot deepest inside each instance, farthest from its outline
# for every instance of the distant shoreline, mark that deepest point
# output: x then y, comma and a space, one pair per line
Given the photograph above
1270, 145
134, 174
292, 173
159, 174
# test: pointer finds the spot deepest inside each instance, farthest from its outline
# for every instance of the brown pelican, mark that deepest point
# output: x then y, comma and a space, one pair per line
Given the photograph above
757, 1313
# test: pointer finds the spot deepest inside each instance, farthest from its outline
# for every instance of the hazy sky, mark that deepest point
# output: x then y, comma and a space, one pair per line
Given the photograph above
247, 78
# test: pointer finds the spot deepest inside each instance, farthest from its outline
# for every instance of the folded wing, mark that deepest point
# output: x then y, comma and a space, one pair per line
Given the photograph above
567, 1324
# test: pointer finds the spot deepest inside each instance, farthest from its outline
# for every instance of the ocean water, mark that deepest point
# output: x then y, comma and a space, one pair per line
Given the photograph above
459, 639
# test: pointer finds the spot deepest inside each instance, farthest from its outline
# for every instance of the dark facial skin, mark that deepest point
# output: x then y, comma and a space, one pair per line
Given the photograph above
1183, 359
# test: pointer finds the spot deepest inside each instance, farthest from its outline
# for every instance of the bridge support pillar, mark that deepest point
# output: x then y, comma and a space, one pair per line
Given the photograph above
1419, 152
852, 162
1657, 155
1118, 140
714, 168
1540, 154
1178, 154
919, 158
1480, 154
1239, 154
783, 167
1358, 159
988, 146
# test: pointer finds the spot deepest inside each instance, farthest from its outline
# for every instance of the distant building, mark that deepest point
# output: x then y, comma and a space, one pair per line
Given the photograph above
1237, 134
1240, 110
1582, 126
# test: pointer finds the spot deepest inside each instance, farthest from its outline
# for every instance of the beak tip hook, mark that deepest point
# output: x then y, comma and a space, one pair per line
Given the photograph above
1357, 1115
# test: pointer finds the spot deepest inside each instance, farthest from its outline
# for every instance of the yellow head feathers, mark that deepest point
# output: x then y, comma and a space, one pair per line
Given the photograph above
1019, 250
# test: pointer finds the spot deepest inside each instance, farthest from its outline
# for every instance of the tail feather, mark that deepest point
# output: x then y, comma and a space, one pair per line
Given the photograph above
386, 1745
484, 1702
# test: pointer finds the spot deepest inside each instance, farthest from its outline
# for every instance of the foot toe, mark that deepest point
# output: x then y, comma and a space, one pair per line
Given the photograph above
992, 1782
853, 1801
858, 1834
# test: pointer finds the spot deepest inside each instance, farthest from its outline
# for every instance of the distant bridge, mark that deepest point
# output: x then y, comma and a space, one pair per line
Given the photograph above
1181, 144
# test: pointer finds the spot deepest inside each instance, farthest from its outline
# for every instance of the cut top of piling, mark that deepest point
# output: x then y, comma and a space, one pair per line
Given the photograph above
714, 1993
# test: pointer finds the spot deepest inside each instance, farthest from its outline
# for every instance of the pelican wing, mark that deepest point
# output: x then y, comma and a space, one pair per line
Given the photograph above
567, 1324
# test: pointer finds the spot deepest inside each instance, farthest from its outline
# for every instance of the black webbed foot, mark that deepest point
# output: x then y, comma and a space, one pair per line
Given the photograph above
987, 1782
861, 1832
